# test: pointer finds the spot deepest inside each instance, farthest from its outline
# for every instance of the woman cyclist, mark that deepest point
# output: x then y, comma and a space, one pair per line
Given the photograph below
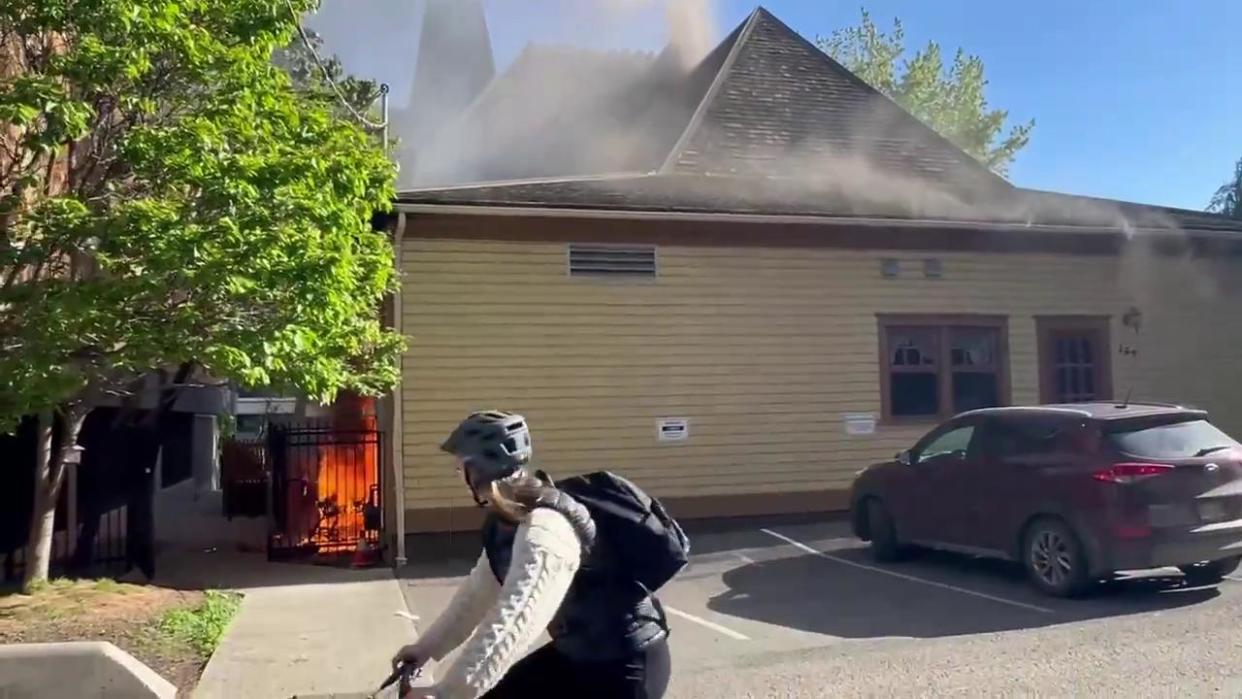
543, 566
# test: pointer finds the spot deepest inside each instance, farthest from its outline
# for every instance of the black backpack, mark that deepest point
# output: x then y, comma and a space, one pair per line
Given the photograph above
649, 544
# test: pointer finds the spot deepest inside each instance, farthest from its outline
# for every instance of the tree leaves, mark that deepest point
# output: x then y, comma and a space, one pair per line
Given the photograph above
199, 209
1228, 198
950, 101
299, 62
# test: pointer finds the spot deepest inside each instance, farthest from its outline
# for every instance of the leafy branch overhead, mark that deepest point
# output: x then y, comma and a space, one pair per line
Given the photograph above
298, 60
1228, 198
168, 196
949, 99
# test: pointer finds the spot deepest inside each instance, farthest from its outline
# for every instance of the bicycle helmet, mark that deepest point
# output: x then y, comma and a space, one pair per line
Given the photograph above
492, 444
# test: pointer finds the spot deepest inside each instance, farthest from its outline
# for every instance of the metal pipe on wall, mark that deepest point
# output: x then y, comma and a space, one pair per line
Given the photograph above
395, 438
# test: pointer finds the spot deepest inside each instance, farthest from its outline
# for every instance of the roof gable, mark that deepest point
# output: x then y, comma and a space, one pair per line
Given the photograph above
782, 107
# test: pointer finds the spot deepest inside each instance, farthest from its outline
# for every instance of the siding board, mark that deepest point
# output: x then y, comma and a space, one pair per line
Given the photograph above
764, 349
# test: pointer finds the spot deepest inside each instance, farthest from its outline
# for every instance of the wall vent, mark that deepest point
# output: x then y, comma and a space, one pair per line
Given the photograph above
612, 260
890, 268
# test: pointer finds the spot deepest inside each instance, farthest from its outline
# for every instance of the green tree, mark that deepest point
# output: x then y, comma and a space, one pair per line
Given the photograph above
1228, 199
168, 198
299, 61
949, 99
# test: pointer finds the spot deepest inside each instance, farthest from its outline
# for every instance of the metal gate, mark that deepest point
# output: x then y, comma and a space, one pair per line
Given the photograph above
325, 494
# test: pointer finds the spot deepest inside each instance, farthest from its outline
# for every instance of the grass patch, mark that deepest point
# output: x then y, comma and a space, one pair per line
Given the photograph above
204, 625
108, 586
61, 598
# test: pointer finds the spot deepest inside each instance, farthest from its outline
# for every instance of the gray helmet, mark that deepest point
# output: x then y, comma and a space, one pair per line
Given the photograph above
493, 444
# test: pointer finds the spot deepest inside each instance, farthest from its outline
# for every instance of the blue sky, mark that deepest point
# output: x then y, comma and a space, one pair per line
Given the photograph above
1133, 100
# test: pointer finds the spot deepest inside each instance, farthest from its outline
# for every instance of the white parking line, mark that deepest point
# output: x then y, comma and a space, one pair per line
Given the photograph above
1235, 578
724, 631
903, 576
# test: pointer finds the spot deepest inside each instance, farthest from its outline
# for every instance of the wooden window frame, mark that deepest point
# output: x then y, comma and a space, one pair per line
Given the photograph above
1046, 325
944, 369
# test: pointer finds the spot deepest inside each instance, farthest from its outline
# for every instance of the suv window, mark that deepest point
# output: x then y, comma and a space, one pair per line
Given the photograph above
1011, 439
1177, 440
947, 443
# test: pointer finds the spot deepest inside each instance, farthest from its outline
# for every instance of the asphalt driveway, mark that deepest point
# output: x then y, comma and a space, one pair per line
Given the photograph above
797, 608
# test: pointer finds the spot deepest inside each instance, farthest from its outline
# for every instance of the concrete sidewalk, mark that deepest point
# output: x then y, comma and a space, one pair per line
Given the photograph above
302, 630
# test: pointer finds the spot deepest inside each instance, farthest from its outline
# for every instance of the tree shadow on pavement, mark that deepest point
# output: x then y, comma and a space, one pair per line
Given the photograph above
433, 556
192, 569
445, 555
812, 594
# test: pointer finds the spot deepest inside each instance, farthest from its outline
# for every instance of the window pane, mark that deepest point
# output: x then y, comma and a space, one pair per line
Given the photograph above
1016, 440
911, 347
957, 440
1178, 440
973, 347
914, 394
973, 390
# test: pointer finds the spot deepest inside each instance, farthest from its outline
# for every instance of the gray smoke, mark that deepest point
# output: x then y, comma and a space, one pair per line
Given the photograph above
560, 85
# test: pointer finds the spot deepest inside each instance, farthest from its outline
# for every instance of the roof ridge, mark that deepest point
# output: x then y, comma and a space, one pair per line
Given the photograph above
696, 119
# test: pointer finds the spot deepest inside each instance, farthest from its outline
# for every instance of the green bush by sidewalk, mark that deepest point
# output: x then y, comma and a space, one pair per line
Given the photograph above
204, 625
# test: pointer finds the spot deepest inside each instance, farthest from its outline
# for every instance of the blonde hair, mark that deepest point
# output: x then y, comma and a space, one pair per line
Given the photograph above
514, 497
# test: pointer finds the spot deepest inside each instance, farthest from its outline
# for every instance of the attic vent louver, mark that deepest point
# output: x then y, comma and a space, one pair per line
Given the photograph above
612, 261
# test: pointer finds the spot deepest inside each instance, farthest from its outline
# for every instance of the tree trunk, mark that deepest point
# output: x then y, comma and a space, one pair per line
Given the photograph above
49, 475
43, 513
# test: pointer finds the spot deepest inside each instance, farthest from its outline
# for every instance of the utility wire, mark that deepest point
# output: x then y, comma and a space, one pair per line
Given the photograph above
327, 76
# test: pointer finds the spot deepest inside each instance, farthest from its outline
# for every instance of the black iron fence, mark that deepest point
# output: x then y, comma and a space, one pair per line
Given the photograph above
99, 513
98, 545
244, 478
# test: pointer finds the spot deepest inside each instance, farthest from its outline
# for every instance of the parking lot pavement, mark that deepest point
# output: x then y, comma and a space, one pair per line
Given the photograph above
798, 609
824, 620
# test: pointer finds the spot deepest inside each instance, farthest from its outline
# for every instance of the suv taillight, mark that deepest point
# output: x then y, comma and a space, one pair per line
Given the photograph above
1130, 472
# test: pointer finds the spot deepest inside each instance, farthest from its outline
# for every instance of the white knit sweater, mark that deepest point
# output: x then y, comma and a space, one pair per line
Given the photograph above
503, 621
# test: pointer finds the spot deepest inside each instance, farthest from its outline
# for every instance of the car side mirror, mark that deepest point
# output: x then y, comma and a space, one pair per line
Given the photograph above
904, 458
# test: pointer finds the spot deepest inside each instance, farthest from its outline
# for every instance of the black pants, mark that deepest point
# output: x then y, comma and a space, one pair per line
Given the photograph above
547, 673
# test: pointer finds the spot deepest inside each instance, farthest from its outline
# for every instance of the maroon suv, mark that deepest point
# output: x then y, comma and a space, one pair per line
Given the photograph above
1073, 492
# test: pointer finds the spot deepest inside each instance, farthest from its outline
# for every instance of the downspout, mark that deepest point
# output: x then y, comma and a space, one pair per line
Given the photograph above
395, 439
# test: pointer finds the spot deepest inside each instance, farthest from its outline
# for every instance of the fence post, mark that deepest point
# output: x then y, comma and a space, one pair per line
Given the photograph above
277, 488
71, 510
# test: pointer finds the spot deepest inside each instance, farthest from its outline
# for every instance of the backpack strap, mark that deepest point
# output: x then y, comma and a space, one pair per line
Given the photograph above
579, 516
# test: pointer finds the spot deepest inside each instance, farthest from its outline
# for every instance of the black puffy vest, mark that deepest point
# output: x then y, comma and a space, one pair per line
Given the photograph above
605, 614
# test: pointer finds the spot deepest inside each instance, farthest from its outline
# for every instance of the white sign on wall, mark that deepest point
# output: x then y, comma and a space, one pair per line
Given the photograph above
672, 429
859, 423
266, 406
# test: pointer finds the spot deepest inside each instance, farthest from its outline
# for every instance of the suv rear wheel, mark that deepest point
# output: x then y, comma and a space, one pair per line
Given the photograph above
1054, 559
1211, 573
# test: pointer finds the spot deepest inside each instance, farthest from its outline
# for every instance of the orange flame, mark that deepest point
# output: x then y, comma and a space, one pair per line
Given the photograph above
345, 477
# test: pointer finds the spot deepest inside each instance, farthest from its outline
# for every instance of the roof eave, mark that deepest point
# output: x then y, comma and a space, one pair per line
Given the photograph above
519, 210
